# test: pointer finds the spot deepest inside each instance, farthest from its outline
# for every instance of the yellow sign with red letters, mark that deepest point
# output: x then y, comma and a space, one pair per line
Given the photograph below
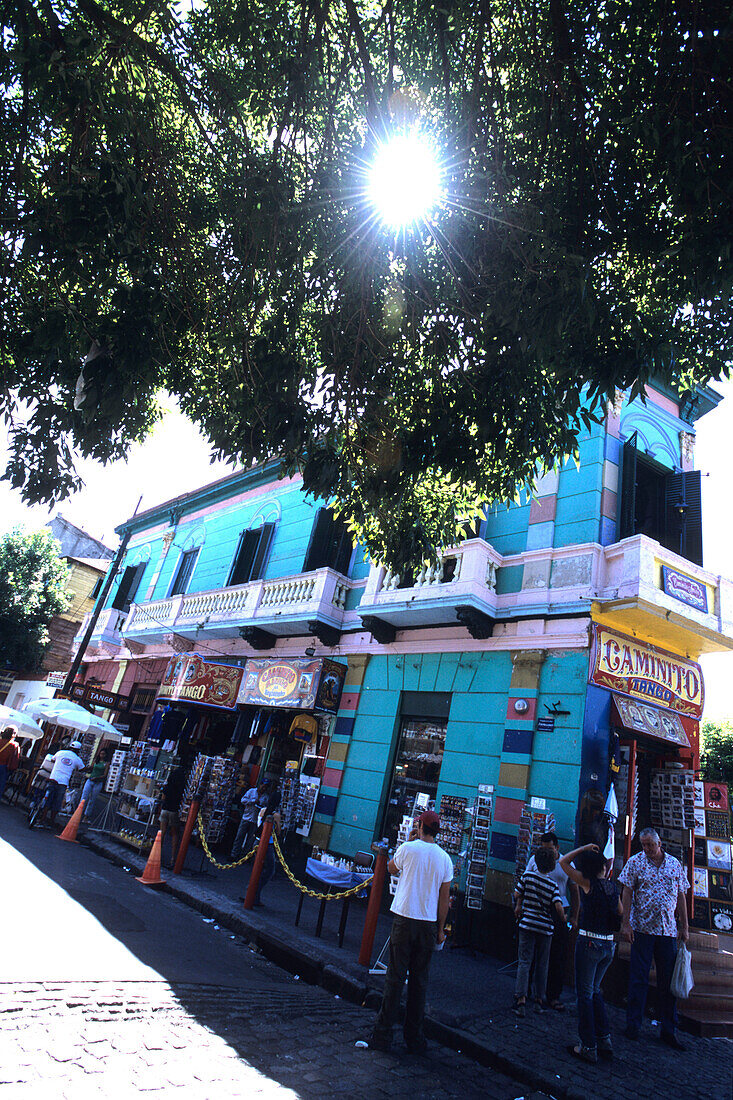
645, 672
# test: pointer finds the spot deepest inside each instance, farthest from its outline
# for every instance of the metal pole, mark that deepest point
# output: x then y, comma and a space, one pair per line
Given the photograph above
373, 906
254, 878
101, 600
186, 838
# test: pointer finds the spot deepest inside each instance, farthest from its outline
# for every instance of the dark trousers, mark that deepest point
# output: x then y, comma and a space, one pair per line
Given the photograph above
534, 954
558, 961
411, 946
592, 960
663, 949
268, 870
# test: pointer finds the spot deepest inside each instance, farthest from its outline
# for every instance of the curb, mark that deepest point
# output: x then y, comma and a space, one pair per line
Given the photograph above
318, 971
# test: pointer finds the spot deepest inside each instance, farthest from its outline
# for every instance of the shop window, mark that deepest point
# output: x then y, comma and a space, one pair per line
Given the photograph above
330, 545
183, 572
252, 554
665, 506
416, 770
128, 587
142, 698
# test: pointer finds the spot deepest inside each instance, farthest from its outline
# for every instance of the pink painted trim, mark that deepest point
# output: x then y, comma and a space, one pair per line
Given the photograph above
349, 700
508, 810
332, 778
662, 402
543, 509
527, 715
609, 504
272, 489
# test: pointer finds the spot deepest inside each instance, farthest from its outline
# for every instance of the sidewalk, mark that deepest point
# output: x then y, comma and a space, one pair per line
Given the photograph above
469, 999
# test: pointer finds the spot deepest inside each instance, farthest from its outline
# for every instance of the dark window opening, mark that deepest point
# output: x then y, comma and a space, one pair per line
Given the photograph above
143, 698
252, 553
416, 769
129, 585
183, 573
665, 506
331, 544
97, 588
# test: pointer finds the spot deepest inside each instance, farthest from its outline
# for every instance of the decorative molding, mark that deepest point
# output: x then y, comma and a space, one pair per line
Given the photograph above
687, 447
614, 406
257, 637
327, 635
178, 643
476, 622
133, 646
534, 658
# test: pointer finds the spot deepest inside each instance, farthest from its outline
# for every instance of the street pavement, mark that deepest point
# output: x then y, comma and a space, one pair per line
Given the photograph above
111, 989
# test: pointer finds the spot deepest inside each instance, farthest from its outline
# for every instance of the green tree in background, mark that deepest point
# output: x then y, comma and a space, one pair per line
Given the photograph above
183, 203
33, 581
716, 751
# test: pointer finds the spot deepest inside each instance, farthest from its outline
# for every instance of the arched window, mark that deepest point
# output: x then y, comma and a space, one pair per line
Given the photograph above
190, 547
255, 543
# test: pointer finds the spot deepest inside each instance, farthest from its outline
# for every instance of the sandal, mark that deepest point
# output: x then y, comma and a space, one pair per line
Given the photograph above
519, 1008
583, 1054
557, 1005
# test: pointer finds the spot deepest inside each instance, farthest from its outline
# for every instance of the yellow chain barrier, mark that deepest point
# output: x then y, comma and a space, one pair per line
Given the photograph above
314, 893
205, 846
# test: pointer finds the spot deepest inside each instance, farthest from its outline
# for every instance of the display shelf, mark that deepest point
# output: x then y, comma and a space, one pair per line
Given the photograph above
143, 842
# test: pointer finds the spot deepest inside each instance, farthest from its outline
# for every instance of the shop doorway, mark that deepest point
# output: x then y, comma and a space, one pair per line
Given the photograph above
416, 771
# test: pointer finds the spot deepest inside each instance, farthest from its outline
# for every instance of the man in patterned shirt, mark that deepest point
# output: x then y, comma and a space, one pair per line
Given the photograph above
655, 918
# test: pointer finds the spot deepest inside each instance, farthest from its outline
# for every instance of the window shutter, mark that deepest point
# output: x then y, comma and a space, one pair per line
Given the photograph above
121, 601
135, 583
185, 569
248, 541
343, 548
317, 553
627, 511
683, 499
263, 549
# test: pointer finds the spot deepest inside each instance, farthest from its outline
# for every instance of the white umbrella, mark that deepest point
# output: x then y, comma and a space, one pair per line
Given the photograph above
24, 724
63, 712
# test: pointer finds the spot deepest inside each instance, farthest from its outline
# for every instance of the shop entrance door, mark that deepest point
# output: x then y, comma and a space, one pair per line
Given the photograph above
416, 770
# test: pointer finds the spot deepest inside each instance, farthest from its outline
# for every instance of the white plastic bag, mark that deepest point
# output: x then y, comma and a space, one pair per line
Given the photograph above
682, 979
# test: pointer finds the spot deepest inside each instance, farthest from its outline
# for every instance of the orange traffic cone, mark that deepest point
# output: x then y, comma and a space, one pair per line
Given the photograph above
151, 874
73, 824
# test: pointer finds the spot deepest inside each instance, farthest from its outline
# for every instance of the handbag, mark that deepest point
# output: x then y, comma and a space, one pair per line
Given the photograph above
682, 980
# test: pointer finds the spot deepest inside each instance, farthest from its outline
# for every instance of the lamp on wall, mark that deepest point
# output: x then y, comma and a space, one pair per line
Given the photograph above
310, 651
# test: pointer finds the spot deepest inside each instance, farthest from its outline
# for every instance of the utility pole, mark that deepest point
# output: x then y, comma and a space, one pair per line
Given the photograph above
101, 600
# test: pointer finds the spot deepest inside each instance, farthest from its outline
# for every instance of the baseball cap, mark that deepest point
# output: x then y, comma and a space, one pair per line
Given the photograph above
429, 818
75, 745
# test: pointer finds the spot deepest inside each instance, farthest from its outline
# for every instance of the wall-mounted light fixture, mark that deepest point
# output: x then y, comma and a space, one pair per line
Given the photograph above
310, 651
521, 706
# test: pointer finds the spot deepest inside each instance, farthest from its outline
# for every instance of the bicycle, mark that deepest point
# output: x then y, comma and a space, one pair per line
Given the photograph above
38, 806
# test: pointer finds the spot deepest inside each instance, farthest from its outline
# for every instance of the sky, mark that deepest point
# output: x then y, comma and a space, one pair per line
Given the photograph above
176, 459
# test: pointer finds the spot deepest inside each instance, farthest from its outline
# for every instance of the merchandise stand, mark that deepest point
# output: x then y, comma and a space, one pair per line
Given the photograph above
380, 963
103, 822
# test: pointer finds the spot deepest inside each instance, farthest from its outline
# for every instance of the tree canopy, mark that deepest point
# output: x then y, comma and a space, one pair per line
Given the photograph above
716, 755
33, 580
183, 205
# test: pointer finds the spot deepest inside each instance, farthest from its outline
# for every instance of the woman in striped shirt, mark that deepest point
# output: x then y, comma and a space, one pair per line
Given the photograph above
537, 896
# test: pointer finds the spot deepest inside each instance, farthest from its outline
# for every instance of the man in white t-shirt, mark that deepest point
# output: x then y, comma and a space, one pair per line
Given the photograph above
420, 909
65, 763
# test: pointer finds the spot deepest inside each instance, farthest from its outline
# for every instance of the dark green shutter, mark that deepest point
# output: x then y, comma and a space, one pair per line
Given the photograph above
183, 574
683, 500
264, 542
627, 510
128, 587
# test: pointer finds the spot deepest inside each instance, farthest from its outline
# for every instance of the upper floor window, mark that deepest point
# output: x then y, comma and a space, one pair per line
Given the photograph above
96, 588
128, 587
252, 554
660, 503
330, 544
183, 573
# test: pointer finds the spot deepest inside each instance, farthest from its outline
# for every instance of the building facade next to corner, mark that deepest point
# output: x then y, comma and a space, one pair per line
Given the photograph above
547, 658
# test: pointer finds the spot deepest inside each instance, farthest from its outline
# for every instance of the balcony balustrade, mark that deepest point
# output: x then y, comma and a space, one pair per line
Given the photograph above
107, 636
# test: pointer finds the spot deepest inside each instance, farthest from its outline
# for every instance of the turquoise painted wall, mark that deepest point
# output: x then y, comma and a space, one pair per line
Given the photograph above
480, 686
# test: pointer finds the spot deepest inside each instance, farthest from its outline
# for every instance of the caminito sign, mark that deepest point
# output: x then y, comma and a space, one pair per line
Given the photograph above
646, 672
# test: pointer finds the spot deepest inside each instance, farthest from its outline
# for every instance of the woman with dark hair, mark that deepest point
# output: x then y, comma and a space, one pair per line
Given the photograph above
600, 916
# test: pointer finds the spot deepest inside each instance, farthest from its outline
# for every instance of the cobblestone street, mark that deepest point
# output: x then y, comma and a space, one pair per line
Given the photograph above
118, 1039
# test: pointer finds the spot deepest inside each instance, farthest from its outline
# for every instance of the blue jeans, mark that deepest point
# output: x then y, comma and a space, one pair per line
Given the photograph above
89, 794
664, 951
592, 960
4, 776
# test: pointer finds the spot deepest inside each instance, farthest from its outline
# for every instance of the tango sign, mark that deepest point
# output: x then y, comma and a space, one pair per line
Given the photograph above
645, 672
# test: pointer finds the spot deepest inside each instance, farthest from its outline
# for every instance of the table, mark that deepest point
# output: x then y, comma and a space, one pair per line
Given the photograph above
337, 878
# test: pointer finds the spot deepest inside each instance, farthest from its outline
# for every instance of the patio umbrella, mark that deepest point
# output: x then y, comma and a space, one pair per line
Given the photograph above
24, 724
63, 712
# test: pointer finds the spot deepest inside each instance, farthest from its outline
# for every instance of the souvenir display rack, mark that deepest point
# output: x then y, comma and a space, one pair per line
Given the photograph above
452, 823
713, 874
532, 824
307, 796
136, 809
478, 848
116, 771
212, 779
672, 808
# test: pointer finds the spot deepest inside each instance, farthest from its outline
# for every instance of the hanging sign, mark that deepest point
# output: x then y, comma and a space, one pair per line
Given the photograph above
98, 697
652, 721
684, 588
293, 682
210, 684
646, 672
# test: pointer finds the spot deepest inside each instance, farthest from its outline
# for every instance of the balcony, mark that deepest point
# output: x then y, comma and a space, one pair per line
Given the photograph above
625, 581
107, 637
637, 590
261, 611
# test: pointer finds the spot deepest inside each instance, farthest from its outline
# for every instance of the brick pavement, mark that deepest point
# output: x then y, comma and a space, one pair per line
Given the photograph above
124, 1039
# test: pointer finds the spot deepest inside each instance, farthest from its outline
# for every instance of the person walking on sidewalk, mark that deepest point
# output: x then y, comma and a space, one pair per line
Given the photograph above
600, 917
172, 793
65, 763
252, 802
9, 756
654, 919
271, 812
538, 898
420, 908
560, 945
